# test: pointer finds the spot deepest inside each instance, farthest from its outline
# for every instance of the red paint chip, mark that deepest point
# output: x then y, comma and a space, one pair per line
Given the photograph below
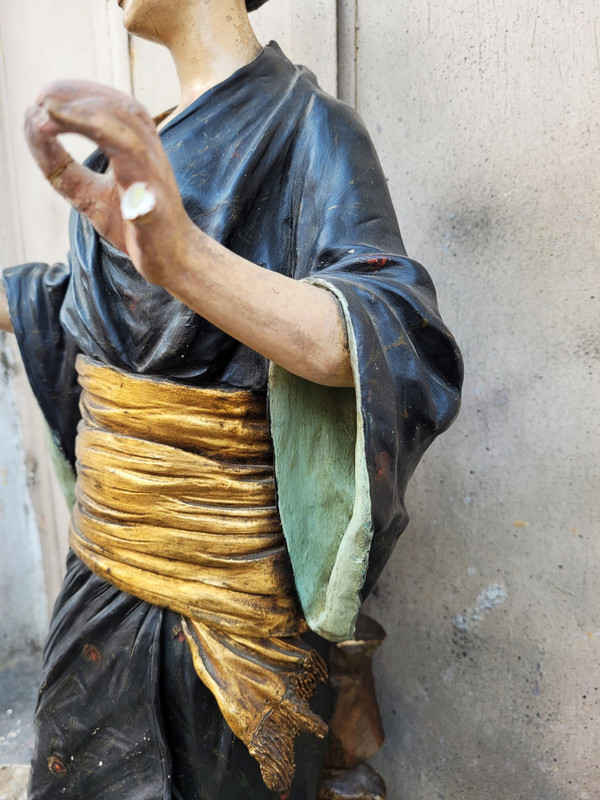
56, 766
91, 653
382, 465
377, 263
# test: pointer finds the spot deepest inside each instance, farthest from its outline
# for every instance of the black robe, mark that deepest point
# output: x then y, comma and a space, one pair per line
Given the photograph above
287, 177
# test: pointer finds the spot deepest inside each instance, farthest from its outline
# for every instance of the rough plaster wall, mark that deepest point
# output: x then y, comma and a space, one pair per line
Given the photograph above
22, 591
486, 117
33, 218
23, 605
38, 43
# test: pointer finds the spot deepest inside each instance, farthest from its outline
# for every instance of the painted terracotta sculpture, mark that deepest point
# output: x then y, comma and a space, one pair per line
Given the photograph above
240, 368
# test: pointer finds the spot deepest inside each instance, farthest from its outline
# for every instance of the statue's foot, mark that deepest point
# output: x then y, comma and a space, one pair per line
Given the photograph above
361, 783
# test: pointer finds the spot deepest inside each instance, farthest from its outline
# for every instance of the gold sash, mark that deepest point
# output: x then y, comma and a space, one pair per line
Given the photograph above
176, 505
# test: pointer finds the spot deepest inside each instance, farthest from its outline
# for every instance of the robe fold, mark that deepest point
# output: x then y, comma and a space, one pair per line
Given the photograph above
287, 177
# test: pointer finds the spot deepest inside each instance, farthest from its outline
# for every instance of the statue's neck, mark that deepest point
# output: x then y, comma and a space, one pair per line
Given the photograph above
210, 48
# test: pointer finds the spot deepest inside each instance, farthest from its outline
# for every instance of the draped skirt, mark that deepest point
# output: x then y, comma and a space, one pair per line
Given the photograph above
122, 714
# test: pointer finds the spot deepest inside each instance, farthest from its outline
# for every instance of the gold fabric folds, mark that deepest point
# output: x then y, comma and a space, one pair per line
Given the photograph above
176, 505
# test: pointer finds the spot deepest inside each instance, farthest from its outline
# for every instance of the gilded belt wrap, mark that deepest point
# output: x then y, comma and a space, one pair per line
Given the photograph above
176, 505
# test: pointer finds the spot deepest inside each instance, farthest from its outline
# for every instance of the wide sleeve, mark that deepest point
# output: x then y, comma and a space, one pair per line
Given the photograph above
343, 457
35, 295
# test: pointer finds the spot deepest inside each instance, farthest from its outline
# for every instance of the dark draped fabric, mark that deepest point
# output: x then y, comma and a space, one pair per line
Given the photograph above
287, 177
252, 5
122, 714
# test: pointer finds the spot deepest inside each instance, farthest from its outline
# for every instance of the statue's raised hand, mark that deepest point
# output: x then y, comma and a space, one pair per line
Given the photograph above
290, 322
126, 133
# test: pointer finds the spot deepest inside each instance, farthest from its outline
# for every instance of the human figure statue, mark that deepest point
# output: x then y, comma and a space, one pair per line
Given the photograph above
241, 249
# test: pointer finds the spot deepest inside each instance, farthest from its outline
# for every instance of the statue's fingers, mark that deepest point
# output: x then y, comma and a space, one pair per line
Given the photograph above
96, 196
103, 97
87, 91
88, 119
64, 173
47, 151
130, 150
66, 91
92, 194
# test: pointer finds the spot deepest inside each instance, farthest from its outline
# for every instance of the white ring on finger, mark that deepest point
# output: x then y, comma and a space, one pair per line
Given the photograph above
137, 201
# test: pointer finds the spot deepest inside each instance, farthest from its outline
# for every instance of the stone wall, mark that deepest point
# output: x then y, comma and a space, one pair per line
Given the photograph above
486, 116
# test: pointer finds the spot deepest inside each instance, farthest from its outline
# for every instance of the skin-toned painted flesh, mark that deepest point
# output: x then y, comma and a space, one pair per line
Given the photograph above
5, 323
208, 40
296, 325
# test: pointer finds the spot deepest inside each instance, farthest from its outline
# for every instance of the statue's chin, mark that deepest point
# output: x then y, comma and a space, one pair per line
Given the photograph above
143, 17
141, 33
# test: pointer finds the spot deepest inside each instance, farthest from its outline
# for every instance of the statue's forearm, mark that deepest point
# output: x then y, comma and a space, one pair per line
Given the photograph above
5, 321
296, 325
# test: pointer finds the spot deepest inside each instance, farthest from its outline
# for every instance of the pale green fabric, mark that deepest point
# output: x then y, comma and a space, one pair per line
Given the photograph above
323, 491
64, 472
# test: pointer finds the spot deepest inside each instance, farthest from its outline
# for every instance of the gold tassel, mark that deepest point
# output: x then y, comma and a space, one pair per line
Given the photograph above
273, 742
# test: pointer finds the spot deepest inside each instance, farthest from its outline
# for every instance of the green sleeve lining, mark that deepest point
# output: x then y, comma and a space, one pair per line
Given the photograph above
323, 490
